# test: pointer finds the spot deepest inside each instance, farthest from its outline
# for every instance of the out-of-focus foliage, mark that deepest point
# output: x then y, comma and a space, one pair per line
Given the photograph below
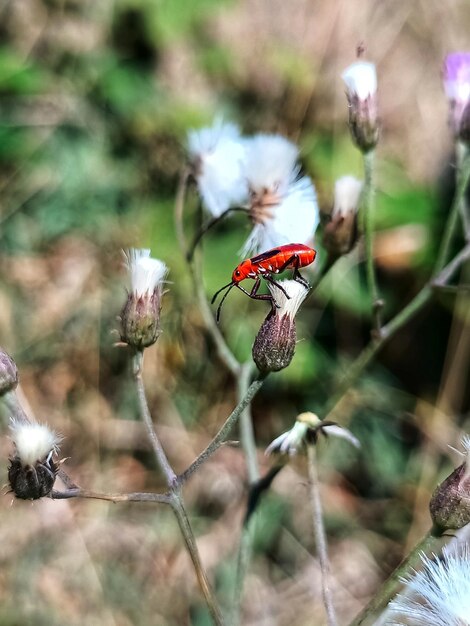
95, 102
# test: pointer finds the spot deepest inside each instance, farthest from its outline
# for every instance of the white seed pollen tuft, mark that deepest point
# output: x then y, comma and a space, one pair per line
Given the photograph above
347, 193
146, 274
360, 79
271, 164
297, 294
33, 442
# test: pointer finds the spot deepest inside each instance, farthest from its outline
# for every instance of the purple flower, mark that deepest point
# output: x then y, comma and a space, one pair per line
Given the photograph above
457, 88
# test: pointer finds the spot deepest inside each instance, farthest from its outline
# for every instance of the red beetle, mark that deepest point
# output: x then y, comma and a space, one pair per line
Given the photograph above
289, 256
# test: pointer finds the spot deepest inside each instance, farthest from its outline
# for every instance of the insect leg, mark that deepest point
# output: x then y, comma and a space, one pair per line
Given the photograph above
258, 296
295, 261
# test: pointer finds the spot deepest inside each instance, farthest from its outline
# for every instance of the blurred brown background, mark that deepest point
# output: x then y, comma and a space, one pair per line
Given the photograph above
95, 102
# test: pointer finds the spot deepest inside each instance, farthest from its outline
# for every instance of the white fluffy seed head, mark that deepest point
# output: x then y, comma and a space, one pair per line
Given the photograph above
294, 219
296, 292
146, 274
347, 194
33, 442
439, 595
217, 155
270, 164
290, 442
360, 79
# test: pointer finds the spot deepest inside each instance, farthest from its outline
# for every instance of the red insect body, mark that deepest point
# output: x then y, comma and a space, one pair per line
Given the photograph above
290, 256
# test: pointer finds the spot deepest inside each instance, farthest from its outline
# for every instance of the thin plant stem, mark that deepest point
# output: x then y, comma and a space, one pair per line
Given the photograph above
367, 228
431, 542
179, 209
462, 179
247, 434
162, 498
320, 536
224, 431
159, 452
190, 541
245, 550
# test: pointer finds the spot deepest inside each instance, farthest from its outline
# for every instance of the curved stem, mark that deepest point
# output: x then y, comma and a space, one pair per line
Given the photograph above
367, 228
431, 542
224, 431
159, 452
188, 535
247, 434
320, 535
162, 498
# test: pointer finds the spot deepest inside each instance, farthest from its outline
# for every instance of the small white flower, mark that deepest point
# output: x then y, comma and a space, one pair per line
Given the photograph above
217, 153
33, 442
306, 429
439, 595
146, 274
347, 193
297, 293
360, 79
290, 218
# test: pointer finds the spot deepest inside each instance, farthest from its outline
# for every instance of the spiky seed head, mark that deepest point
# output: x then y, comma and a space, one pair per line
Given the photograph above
361, 91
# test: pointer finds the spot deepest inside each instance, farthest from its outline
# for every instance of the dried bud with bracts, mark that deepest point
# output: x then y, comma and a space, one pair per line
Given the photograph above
8, 373
306, 431
274, 345
450, 502
33, 469
340, 233
457, 88
140, 316
361, 91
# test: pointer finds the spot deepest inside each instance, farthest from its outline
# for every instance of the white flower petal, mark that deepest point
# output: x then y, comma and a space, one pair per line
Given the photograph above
360, 79
290, 441
33, 442
343, 433
296, 292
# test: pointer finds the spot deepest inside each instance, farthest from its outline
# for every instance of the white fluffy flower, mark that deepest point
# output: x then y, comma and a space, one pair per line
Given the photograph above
297, 293
270, 165
306, 429
439, 595
217, 153
33, 442
291, 217
347, 193
146, 274
360, 79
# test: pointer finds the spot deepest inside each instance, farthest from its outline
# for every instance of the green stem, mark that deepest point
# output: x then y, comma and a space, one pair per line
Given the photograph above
320, 535
159, 452
224, 431
243, 562
247, 434
190, 541
462, 179
368, 230
432, 542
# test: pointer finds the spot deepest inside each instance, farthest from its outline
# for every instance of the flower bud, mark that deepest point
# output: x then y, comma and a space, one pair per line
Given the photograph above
361, 92
450, 502
32, 470
274, 345
8, 373
340, 234
140, 316
457, 88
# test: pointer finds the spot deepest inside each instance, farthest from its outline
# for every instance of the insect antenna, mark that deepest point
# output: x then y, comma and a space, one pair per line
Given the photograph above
231, 284
228, 287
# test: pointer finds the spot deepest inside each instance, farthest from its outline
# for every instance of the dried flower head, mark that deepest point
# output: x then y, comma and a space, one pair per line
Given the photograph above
216, 154
274, 345
340, 234
140, 316
457, 88
306, 430
450, 502
361, 91
282, 207
439, 595
8, 373
33, 469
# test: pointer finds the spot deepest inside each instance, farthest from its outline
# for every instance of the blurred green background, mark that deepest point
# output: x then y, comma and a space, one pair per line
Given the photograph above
96, 99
